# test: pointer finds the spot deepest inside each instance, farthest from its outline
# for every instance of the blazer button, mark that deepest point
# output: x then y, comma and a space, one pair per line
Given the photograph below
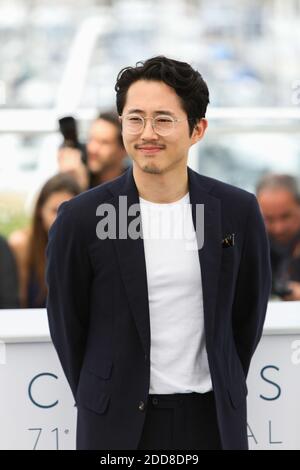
141, 406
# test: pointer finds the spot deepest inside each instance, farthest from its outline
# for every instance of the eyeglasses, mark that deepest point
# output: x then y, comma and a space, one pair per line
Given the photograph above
161, 124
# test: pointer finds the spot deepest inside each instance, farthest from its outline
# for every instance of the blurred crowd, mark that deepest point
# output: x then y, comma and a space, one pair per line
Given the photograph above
279, 199
80, 167
102, 158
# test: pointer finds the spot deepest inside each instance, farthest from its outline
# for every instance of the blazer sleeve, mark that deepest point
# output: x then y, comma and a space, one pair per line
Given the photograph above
68, 278
253, 287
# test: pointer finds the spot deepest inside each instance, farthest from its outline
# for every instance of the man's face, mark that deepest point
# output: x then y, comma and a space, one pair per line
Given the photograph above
103, 147
281, 213
150, 152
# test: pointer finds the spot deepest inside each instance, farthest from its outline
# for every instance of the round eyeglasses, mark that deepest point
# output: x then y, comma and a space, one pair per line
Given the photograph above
162, 124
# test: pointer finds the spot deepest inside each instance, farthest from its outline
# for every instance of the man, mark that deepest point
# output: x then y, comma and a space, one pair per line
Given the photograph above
279, 199
156, 333
105, 149
8, 277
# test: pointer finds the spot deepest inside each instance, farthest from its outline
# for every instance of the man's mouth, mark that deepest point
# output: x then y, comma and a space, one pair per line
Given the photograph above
92, 157
149, 149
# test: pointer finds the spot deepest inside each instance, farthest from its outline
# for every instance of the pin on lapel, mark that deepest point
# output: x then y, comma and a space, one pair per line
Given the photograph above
228, 240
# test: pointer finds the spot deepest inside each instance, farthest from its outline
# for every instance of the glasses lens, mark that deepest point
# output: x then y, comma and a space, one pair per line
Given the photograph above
163, 125
133, 124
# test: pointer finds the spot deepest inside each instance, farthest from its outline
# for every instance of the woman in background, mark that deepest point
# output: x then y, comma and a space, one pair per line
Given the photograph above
9, 292
29, 245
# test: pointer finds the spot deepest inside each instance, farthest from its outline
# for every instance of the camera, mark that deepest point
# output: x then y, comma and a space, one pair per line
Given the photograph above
68, 129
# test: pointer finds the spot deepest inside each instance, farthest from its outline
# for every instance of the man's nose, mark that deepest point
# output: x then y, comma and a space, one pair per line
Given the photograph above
148, 131
278, 228
92, 148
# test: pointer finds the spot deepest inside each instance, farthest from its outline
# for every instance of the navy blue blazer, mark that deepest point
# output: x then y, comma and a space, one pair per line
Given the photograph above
98, 309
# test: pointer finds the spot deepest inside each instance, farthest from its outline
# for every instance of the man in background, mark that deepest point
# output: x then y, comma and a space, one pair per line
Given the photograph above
105, 149
279, 199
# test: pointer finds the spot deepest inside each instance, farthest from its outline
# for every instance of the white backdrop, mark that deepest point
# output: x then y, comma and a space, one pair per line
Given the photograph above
37, 408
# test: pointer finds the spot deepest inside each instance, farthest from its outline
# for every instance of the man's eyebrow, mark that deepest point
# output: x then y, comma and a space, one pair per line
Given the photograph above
160, 111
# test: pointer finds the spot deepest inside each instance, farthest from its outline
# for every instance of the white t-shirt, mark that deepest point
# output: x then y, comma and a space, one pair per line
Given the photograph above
178, 354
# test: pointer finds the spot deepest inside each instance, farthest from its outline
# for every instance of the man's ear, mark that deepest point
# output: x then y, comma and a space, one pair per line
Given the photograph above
199, 130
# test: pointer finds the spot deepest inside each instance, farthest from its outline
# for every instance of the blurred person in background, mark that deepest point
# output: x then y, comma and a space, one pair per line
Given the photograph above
279, 199
9, 289
29, 244
105, 149
72, 156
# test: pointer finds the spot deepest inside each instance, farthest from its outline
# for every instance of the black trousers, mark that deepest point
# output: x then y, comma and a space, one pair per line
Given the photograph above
180, 421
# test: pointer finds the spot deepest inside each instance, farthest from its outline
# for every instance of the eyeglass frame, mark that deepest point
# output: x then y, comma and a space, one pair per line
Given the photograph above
144, 119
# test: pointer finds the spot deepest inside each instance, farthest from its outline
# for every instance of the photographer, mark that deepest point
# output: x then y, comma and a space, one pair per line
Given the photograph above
72, 154
279, 199
106, 154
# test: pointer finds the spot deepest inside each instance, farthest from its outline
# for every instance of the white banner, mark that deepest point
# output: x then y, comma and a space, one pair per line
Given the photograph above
37, 408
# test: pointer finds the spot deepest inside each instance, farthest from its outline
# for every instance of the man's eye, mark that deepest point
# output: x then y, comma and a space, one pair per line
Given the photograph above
164, 120
137, 119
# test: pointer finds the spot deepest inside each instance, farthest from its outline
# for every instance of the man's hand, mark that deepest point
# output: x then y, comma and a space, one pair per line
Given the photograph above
69, 161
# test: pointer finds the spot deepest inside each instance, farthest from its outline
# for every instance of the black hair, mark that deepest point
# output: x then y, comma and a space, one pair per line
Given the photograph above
187, 83
113, 118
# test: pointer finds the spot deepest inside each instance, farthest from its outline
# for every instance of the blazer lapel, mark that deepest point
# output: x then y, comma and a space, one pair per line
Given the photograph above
131, 257
211, 251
